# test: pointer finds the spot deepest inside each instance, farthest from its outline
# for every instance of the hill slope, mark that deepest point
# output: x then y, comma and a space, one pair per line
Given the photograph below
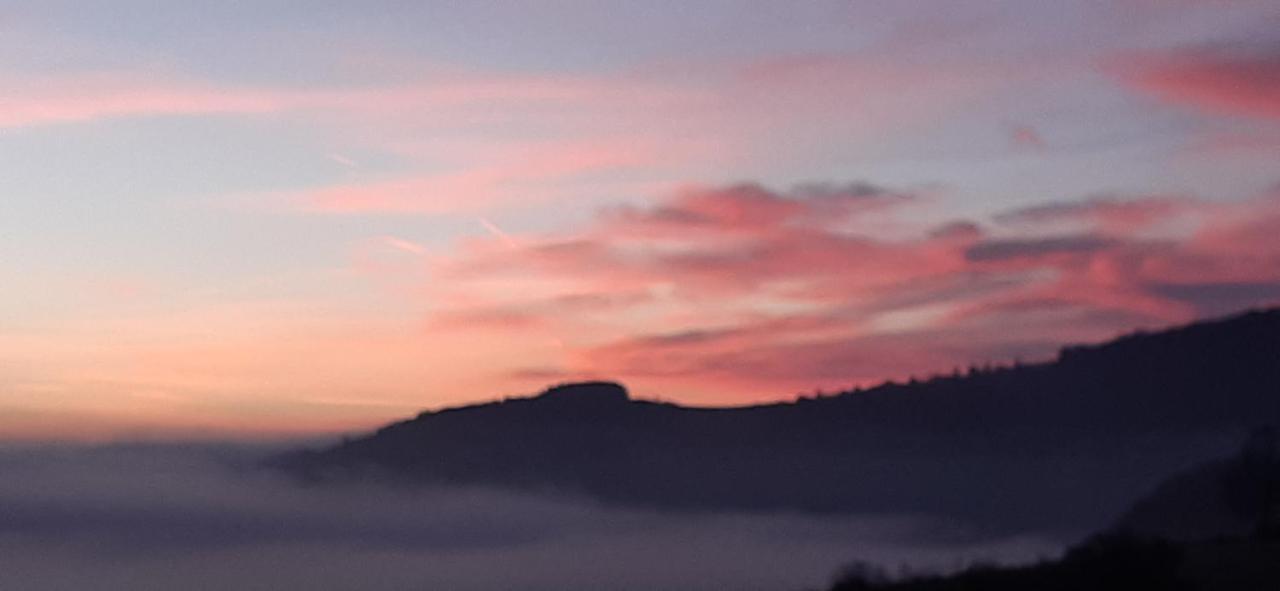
1097, 426
1230, 498
1209, 528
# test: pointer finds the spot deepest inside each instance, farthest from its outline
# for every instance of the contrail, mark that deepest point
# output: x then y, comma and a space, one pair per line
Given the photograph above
343, 160
404, 245
498, 232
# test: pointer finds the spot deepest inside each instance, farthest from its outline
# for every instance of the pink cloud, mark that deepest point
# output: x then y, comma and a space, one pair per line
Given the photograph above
750, 208
1234, 81
31, 102
440, 96
1240, 240
1108, 213
752, 291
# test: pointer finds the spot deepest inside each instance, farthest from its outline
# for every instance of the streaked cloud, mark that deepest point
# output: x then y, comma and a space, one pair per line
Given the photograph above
1234, 79
1106, 212
764, 290
53, 100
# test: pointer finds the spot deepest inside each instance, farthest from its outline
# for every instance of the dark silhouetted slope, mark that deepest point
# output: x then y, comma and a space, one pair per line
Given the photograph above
1111, 563
1211, 528
1098, 426
1230, 498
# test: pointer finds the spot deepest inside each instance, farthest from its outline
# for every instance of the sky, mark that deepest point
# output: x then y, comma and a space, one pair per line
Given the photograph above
279, 218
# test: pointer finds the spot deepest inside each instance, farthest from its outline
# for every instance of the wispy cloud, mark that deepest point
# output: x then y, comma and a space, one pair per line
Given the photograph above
499, 172
44, 101
1235, 79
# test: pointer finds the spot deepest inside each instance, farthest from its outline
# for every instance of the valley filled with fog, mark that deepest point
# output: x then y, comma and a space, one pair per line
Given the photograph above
166, 516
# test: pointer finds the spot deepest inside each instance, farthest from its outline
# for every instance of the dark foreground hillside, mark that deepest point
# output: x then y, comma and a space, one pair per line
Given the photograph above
1084, 434
1114, 563
1212, 528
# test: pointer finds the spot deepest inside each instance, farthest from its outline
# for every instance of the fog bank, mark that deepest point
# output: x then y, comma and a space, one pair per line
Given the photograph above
141, 517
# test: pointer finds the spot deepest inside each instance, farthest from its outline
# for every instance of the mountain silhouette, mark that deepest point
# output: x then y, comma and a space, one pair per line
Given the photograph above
1065, 444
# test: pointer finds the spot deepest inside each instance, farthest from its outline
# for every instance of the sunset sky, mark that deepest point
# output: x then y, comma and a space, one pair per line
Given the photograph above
276, 218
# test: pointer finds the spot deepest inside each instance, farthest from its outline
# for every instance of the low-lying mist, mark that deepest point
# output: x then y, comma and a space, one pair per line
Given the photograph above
170, 516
